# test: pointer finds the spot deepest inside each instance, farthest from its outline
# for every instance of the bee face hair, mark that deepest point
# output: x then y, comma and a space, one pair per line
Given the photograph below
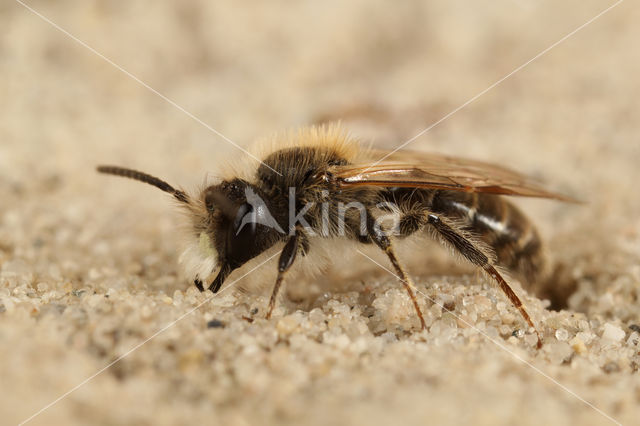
222, 241
201, 255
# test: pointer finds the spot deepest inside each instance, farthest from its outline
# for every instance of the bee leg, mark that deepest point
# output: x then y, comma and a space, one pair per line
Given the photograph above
478, 258
287, 256
198, 284
384, 243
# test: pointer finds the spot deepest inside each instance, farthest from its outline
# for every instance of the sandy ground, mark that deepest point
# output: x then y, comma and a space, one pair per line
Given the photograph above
89, 264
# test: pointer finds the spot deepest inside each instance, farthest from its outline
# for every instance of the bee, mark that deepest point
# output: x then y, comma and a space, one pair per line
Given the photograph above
320, 184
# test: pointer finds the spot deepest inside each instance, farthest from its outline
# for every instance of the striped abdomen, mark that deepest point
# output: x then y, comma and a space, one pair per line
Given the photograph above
500, 225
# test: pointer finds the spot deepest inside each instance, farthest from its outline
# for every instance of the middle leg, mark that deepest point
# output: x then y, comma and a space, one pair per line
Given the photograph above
295, 242
382, 240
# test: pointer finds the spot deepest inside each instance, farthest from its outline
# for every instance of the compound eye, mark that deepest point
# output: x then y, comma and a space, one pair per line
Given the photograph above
244, 217
242, 236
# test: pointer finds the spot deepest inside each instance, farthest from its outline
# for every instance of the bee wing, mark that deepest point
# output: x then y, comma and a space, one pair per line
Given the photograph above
424, 170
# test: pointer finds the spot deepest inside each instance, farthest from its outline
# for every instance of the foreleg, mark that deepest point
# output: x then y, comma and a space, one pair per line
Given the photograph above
287, 257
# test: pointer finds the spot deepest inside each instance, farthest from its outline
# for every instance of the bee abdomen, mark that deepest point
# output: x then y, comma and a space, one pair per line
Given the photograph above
500, 225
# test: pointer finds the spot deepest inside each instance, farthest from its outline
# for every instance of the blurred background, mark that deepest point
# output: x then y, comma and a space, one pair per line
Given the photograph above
249, 69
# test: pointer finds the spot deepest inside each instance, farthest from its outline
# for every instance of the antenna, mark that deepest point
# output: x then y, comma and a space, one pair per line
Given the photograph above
143, 177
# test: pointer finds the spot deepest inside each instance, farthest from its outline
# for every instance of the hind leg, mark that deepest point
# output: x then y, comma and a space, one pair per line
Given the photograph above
413, 221
475, 255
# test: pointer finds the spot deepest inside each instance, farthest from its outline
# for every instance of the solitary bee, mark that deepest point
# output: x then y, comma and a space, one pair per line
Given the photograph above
319, 183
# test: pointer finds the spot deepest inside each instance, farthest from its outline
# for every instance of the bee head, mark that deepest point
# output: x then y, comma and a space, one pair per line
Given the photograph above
231, 224
237, 226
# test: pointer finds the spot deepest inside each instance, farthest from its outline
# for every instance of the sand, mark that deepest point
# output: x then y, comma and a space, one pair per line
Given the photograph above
89, 267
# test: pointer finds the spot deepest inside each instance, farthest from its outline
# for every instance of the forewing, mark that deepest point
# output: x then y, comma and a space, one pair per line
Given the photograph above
423, 170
